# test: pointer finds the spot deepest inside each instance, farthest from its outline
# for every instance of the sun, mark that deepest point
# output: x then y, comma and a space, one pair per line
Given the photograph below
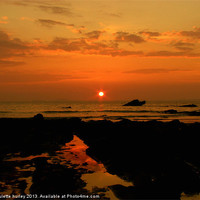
101, 94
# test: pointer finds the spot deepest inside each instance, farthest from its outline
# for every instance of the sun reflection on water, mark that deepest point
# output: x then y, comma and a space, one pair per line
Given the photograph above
72, 154
75, 151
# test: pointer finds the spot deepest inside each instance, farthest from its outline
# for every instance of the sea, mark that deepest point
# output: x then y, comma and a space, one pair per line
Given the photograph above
101, 110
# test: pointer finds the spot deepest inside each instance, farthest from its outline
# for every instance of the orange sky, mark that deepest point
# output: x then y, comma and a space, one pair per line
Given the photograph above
70, 49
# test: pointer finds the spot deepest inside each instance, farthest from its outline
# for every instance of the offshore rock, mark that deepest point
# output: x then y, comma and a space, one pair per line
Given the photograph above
135, 102
38, 117
172, 111
189, 105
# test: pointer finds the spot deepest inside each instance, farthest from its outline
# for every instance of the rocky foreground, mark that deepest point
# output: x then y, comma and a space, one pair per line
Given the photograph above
162, 159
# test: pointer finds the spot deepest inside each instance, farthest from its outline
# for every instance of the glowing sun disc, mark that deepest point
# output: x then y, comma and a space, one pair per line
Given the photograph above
101, 94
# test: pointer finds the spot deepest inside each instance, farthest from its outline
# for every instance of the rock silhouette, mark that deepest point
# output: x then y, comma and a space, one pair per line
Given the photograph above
171, 111
150, 154
189, 105
135, 102
39, 116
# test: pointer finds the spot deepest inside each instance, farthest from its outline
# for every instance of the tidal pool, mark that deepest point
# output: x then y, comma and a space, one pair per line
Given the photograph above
73, 155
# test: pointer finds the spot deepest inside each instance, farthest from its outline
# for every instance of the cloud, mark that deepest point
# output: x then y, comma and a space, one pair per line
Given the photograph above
67, 44
172, 54
183, 46
150, 34
11, 47
8, 63
154, 71
180, 43
14, 2
47, 6
50, 23
56, 10
81, 45
124, 53
195, 34
118, 15
127, 37
76, 29
90, 43
17, 77
15, 43
94, 34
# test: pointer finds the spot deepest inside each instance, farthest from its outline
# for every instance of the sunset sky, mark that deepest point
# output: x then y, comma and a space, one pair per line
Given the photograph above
71, 49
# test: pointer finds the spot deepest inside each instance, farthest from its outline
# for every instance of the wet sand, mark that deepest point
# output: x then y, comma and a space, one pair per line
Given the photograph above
144, 160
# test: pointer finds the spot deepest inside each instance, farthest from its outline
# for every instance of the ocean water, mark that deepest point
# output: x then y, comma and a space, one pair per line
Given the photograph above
112, 110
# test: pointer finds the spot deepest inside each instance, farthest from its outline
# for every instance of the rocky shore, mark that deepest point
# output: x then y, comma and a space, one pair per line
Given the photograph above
161, 159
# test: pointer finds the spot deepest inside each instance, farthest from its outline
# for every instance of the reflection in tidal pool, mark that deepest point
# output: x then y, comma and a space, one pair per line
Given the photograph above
73, 155
75, 152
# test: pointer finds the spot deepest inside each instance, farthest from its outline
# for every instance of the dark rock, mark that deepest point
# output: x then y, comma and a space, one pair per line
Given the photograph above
189, 105
55, 179
39, 117
67, 107
175, 122
193, 113
135, 102
172, 111
153, 156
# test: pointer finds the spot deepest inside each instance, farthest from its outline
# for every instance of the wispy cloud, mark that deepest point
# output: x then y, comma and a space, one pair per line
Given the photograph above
56, 10
94, 34
172, 54
183, 46
50, 23
18, 77
118, 15
180, 43
150, 34
122, 52
9, 63
128, 37
192, 34
49, 6
154, 71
